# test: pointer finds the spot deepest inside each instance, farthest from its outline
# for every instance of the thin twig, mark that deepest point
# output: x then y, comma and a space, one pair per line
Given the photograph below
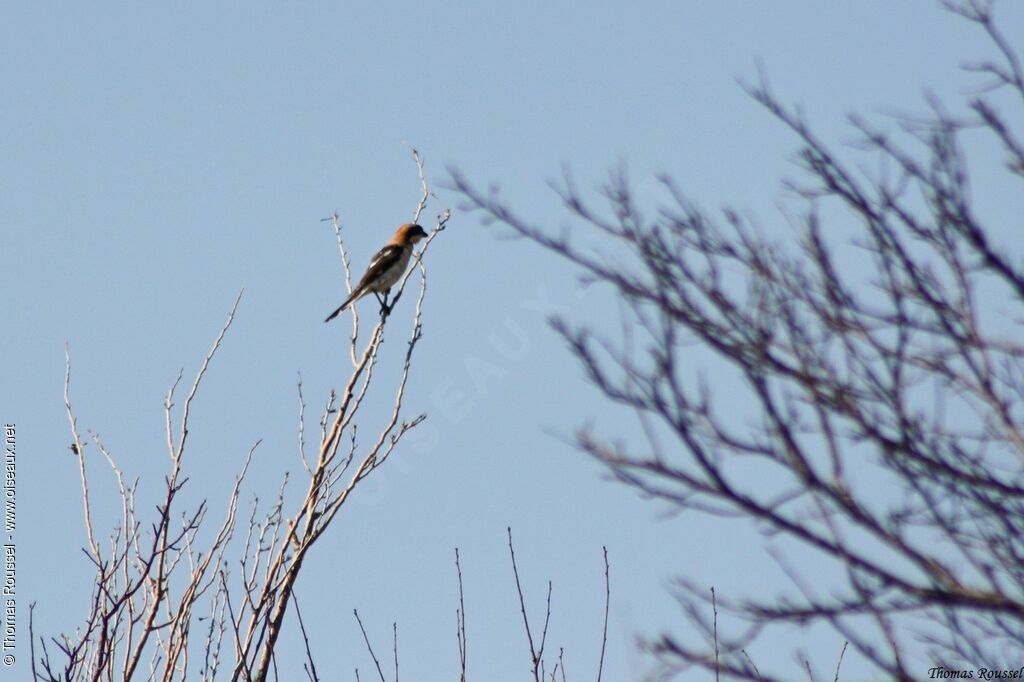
368, 647
346, 266
460, 619
544, 632
81, 454
534, 659
423, 183
32, 639
302, 428
604, 630
757, 673
714, 608
305, 640
840, 662
202, 372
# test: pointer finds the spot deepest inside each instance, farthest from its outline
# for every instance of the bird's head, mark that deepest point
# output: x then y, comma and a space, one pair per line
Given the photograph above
410, 233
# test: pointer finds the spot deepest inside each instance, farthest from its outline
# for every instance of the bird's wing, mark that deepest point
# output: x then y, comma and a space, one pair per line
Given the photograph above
383, 261
382, 264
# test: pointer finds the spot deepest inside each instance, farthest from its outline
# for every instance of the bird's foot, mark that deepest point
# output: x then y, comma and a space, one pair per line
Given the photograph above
385, 309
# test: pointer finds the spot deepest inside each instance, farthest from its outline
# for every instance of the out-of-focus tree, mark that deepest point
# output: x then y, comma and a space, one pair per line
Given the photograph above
885, 379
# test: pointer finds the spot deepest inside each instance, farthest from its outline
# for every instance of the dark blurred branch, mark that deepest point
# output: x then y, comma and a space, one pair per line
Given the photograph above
882, 426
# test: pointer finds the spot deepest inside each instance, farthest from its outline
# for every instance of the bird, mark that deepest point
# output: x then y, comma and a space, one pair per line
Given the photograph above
385, 268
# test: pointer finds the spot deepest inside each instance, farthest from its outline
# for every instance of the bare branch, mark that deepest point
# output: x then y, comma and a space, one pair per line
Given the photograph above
460, 621
369, 647
604, 628
534, 654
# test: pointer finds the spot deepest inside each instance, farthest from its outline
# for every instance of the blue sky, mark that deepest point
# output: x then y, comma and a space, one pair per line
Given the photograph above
158, 158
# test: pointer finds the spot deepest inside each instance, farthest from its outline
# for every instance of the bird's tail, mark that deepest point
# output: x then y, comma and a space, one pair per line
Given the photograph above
342, 307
